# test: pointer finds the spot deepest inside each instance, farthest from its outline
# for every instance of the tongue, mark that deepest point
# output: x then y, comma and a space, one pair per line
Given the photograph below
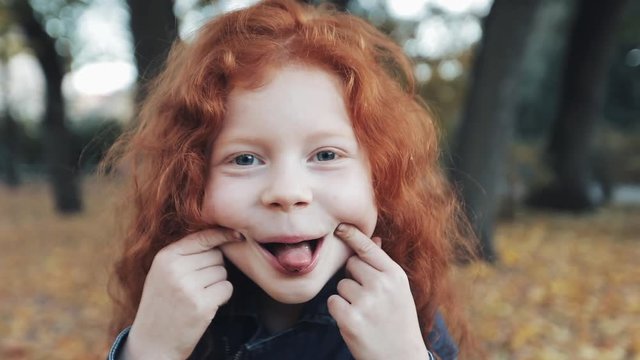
294, 257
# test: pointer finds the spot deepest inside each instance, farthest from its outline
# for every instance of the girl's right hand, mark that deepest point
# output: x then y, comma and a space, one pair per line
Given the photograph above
184, 288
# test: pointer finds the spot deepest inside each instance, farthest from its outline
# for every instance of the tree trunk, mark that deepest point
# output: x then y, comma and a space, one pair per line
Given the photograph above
9, 138
8, 132
57, 144
154, 28
488, 120
582, 102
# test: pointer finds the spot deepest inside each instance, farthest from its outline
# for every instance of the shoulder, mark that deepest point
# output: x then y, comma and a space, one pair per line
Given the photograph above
440, 341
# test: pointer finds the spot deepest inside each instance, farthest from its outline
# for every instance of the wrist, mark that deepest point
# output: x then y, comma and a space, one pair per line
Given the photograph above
419, 352
132, 353
136, 348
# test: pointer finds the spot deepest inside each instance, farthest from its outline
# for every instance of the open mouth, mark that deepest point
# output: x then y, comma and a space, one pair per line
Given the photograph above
293, 258
275, 248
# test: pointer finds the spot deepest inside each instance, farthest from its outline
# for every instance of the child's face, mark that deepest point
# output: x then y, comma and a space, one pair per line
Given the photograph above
286, 168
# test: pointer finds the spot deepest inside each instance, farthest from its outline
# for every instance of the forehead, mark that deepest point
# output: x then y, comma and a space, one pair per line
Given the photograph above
287, 79
302, 96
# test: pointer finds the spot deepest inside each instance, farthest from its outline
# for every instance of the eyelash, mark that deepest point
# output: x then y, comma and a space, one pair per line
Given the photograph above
234, 159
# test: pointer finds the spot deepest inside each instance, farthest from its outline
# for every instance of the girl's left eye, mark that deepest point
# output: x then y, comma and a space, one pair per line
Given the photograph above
325, 155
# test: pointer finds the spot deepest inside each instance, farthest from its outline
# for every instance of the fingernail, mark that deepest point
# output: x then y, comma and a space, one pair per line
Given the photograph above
341, 228
236, 235
377, 240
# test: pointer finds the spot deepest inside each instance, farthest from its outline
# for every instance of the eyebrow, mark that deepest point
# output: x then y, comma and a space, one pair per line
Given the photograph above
328, 134
239, 140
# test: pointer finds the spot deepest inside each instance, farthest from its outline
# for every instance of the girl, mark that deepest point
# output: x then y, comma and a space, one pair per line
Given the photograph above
287, 200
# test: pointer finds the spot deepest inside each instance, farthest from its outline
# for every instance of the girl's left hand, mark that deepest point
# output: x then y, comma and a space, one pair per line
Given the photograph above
374, 308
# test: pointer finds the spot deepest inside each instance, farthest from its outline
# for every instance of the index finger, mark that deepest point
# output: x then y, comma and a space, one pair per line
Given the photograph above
205, 240
364, 247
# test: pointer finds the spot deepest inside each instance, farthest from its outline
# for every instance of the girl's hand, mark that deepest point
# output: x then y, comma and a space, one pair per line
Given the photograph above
374, 308
182, 293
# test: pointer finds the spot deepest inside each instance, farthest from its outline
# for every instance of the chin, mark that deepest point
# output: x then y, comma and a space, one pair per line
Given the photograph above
299, 296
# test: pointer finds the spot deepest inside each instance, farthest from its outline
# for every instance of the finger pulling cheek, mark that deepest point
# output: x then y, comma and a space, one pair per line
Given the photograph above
363, 218
237, 235
232, 248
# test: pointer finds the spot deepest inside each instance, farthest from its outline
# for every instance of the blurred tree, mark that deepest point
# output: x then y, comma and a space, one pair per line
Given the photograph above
586, 68
154, 28
623, 100
542, 70
93, 136
487, 122
9, 150
57, 140
8, 125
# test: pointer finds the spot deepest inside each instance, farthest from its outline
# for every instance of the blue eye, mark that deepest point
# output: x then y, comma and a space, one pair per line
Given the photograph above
325, 155
245, 160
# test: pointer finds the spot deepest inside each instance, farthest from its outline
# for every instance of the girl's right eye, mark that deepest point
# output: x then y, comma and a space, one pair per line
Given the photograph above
245, 160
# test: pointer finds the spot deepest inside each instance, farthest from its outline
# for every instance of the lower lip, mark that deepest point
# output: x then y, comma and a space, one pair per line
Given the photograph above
274, 262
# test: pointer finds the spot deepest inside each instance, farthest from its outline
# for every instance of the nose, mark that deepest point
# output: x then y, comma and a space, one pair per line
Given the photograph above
288, 189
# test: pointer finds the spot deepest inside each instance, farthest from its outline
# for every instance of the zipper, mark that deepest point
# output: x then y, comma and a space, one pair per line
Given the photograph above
227, 350
238, 355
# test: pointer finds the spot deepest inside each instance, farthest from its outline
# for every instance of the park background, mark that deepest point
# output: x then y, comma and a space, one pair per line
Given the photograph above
538, 100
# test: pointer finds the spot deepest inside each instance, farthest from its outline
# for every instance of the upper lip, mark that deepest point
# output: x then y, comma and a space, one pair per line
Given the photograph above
287, 239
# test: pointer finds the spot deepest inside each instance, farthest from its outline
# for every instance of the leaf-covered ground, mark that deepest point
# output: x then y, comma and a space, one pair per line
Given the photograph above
567, 287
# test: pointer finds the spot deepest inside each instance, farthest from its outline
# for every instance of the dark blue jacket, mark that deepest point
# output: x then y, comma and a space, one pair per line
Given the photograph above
236, 332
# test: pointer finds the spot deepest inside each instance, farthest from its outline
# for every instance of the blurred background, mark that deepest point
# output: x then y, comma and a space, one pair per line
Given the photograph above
538, 100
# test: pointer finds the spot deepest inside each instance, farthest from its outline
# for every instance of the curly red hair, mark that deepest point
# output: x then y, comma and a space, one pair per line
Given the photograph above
167, 151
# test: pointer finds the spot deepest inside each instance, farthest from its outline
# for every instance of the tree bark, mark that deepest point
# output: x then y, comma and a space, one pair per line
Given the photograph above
57, 139
154, 28
582, 101
488, 119
8, 132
